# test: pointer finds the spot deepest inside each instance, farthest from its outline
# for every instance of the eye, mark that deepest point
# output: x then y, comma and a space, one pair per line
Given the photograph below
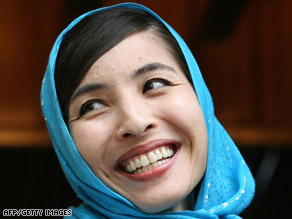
154, 84
90, 106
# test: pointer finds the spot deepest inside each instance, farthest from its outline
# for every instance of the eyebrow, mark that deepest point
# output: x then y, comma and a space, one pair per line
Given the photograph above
99, 86
151, 67
87, 88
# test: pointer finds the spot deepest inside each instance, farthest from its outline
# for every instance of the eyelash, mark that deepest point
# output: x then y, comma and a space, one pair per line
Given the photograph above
90, 103
160, 80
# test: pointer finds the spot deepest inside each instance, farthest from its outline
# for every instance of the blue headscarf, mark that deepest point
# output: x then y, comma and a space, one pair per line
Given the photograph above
226, 188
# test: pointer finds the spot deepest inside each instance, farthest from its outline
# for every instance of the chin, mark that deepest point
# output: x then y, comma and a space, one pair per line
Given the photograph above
162, 201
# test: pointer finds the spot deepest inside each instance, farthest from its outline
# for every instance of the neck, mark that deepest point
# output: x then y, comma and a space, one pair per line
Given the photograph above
187, 203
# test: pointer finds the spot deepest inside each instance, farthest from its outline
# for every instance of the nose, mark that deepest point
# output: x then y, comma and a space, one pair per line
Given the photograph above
136, 120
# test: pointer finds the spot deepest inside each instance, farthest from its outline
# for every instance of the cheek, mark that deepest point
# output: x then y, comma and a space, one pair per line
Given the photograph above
183, 110
90, 140
184, 113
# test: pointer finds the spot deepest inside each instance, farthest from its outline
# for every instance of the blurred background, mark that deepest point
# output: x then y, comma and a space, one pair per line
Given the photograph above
243, 48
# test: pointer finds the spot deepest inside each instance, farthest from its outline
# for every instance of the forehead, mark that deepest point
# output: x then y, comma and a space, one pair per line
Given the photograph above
134, 51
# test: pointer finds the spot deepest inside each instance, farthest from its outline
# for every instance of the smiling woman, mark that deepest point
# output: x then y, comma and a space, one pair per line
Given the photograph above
133, 111
135, 132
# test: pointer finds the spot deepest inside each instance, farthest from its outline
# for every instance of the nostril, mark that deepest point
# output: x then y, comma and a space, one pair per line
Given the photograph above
135, 131
126, 135
149, 127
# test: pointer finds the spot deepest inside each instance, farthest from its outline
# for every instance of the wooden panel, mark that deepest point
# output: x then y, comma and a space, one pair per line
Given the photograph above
28, 30
176, 13
249, 74
247, 69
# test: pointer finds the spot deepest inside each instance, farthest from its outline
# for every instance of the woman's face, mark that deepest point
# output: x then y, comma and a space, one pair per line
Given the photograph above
137, 122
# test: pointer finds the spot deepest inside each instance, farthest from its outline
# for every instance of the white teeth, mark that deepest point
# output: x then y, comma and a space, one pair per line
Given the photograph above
163, 161
164, 153
138, 163
128, 168
133, 166
144, 160
168, 152
152, 158
158, 154
140, 170
150, 166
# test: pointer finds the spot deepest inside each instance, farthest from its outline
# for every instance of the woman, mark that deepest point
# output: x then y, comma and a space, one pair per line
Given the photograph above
133, 125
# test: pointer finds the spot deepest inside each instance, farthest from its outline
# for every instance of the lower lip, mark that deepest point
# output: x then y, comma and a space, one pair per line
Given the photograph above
153, 173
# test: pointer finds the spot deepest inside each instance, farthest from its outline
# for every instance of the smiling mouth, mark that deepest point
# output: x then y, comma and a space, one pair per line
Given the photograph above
149, 160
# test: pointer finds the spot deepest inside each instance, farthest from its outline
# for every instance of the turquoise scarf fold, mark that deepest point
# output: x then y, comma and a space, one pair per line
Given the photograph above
226, 188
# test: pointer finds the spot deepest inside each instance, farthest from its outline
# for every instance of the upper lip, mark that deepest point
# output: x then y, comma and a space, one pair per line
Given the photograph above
144, 148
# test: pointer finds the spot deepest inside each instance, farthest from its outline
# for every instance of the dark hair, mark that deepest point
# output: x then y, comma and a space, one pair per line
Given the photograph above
96, 34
